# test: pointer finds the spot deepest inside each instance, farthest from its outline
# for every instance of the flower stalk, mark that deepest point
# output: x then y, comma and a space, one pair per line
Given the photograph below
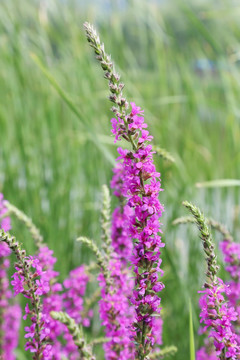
27, 221
24, 282
105, 222
84, 349
101, 261
141, 190
216, 314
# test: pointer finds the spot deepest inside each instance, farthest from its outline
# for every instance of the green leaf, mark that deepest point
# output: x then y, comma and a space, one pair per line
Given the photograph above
219, 183
191, 333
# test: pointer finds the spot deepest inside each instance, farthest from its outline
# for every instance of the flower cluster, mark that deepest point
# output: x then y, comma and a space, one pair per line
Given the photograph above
5, 221
10, 314
10, 328
218, 317
68, 298
115, 312
52, 299
204, 354
141, 189
27, 280
75, 288
121, 241
231, 252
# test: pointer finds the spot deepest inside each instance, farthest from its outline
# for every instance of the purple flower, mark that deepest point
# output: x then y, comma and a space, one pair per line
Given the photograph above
116, 312
75, 286
136, 167
27, 280
10, 313
218, 317
5, 223
204, 354
10, 328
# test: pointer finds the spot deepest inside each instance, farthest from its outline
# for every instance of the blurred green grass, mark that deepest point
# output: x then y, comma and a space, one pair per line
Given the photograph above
180, 62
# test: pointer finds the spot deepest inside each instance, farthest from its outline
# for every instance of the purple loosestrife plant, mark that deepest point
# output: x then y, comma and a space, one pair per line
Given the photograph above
73, 305
57, 298
26, 280
52, 299
10, 314
10, 327
231, 252
68, 298
206, 352
114, 308
141, 190
216, 314
115, 312
75, 286
121, 241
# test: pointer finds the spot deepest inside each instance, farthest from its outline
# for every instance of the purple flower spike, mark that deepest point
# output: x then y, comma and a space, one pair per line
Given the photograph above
116, 314
144, 210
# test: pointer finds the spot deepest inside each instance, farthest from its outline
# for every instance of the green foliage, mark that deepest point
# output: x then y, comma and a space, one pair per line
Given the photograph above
106, 220
34, 231
207, 241
53, 161
191, 334
165, 352
85, 350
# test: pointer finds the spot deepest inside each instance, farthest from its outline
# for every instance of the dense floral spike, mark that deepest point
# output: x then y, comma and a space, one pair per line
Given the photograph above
122, 244
114, 306
75, 286
116, 314
121, 241
52, 299
11, 326
142, 188
10, 314
68, 298
26, 280
216, 314
231, 252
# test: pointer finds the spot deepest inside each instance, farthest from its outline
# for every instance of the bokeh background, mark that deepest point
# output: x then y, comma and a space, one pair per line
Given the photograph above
180, 61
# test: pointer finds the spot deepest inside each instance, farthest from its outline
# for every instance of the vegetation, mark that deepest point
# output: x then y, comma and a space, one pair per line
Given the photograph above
181, 64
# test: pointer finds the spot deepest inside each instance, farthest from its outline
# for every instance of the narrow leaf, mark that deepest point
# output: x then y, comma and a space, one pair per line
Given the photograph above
191, 333
219, 183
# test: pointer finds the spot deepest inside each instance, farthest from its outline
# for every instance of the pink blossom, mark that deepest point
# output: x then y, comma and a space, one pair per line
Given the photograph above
143, 223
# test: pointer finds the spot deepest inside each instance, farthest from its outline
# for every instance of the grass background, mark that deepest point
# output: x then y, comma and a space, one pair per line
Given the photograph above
180, 62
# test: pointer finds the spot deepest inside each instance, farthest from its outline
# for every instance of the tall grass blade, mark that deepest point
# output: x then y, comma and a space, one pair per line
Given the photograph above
191, 333
218, 183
